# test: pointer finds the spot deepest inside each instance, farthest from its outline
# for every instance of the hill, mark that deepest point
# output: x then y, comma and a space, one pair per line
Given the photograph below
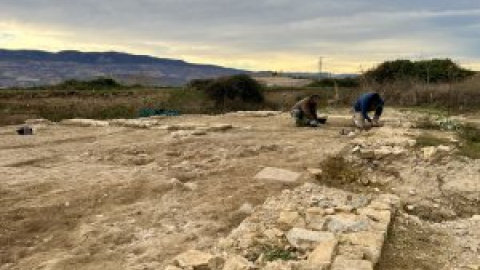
32, 68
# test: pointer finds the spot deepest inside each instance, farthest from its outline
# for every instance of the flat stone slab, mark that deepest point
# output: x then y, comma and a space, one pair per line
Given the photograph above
277, 174
346, 264
302, 238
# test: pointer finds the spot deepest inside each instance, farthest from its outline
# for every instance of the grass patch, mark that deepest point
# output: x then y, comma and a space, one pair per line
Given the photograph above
470, 136
277, 253
337, 170
427, 139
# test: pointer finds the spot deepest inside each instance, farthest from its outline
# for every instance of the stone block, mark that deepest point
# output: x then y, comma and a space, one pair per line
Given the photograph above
322, 256
315, 218
347, 223
236, 263
342, 263
372, 243
306, 239
193, 258
276, 174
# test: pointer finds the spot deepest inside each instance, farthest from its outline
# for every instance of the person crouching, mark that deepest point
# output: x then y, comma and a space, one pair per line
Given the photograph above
305, 112
367, 103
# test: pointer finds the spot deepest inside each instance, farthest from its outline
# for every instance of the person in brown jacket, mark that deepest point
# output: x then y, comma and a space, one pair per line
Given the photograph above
305, 112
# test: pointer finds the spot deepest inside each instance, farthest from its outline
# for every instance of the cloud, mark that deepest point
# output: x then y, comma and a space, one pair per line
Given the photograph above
259, 35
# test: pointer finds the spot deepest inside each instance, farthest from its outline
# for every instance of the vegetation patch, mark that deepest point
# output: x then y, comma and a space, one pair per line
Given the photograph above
427, 139
338, 171
470, 136
278, 253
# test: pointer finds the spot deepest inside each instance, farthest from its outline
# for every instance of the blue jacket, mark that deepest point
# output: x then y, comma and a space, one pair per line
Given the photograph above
368, 102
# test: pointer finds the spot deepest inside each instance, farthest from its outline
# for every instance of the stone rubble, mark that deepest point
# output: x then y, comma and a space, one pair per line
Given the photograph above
312, 227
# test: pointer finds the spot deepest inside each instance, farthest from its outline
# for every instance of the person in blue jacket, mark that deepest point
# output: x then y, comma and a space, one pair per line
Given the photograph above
367, 103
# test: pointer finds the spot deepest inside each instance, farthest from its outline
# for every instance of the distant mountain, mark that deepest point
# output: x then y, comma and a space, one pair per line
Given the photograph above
32, 68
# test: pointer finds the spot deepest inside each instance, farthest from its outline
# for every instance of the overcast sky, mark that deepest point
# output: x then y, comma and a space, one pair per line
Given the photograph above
283, 35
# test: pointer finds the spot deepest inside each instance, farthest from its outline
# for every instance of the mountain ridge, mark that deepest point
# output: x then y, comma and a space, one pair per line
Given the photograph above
36, 67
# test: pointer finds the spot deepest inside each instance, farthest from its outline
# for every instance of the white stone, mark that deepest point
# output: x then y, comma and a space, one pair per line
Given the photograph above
305, 239
444, 148
193, 258
315, 171
84, 123
246, 208
347, 223
171, 267
429, 152
276, 174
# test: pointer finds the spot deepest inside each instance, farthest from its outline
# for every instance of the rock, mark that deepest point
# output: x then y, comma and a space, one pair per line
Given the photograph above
39, 121
277, 265
356, 149
383, 216
321, 257
412, 143
372, 242
351, 252
346, 223
84, 123
412, 192
133, 123
290, 219
216, 263
193, 258
171, 267
410, 207
379, 205
366, 154
236, 263
315, 218
306, 239
342, 263
276, 174
444, 148
175, 183
315, 171
329, 211
246, 208
190, 186
466, 187
429, 152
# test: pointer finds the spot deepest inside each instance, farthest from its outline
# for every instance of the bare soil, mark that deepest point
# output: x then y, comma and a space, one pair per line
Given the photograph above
103, 197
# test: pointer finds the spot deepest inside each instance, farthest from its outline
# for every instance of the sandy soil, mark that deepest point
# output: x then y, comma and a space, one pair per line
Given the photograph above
127, 198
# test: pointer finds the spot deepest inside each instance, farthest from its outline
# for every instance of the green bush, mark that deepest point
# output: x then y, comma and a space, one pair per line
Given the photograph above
96, 84
435, 71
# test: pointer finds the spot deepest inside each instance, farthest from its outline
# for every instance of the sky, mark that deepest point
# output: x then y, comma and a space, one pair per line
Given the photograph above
279, 35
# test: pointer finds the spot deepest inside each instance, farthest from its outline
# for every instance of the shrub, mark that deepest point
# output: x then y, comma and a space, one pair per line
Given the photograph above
237, 87
435, 71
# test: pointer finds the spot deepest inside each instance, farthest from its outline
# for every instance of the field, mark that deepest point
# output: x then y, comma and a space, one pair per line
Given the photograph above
134, 194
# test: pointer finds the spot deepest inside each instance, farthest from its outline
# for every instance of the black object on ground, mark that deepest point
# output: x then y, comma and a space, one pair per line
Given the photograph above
26, 130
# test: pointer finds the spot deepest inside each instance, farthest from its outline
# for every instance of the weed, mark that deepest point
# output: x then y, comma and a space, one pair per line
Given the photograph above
277, 253
338, 170
470, 136
427, 139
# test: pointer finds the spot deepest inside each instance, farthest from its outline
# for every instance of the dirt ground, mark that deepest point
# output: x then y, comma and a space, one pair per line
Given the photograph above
112, 197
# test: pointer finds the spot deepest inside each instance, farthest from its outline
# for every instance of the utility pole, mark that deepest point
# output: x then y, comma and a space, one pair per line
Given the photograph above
320, 66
